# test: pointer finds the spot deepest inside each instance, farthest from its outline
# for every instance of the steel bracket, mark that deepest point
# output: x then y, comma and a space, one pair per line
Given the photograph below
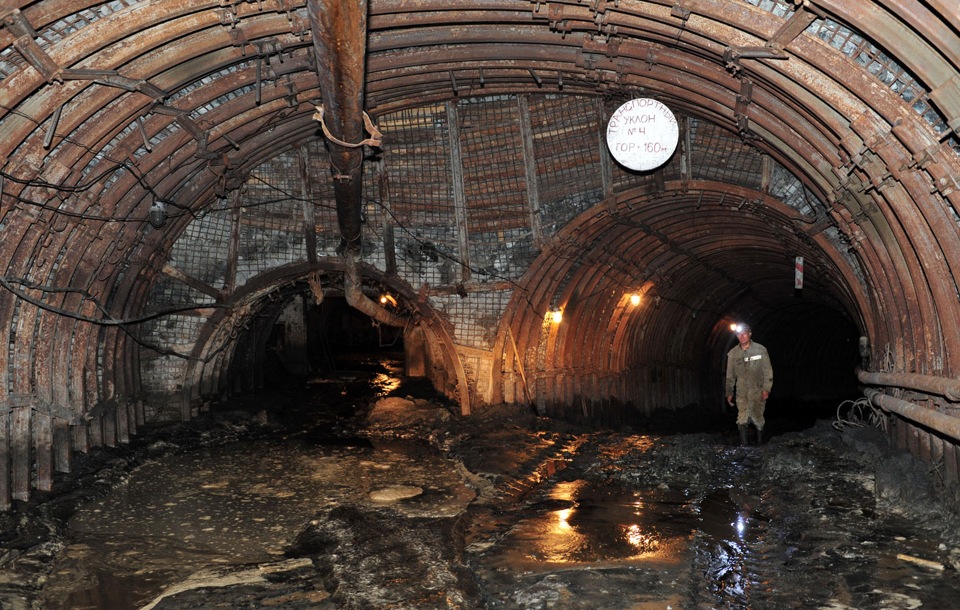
733, 54
946, 96
609, 46
744, 98
557, 22
876, 170
743, 126
553, 15
31, 401
228, 16
27, 46
650, 60
298, 27
608, 32
678, 11
947, 185
587, 60
923, 159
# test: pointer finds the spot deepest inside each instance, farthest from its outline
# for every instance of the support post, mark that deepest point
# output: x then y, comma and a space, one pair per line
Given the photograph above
20, 441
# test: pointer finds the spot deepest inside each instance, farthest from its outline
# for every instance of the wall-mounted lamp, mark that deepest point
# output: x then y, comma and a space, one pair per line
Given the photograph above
555, 315
157, 215
635, 299
387, 299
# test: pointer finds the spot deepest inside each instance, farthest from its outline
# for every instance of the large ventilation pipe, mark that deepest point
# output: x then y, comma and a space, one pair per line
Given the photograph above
353, 291
935, 420
943, 386
340, 43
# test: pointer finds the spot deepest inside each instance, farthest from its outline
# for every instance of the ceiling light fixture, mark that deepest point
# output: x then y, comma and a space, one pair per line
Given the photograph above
157, 216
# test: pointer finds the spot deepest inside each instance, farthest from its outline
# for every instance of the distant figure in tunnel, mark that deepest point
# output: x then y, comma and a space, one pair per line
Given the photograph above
750, 376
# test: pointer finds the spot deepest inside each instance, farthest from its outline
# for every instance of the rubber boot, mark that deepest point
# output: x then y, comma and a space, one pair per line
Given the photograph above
743, 434
759, 436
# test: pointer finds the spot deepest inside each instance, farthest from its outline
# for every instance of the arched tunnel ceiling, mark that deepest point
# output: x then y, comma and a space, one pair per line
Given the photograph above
110, 106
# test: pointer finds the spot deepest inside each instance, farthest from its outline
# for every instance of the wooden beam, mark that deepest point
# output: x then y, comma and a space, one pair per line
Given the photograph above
530, 167
20, 462
5, 463
43, 448
181, 276
309, 211
459, 196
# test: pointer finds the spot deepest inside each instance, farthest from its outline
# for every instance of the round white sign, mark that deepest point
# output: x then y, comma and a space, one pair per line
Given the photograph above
642, 134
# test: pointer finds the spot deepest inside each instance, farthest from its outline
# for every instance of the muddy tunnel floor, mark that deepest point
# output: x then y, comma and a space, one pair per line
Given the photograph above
365, 491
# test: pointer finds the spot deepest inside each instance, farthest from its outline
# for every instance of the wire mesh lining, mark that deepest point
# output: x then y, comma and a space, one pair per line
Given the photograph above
320, 194
162, 373
475, 318
177, 332
270, 238
881, 66
171, 293
202, 249
424, 255
499, 235
493, 172
788, 188
717, 155
566, 140
272, 217
374, 215
777, 7
421, 208
419, 203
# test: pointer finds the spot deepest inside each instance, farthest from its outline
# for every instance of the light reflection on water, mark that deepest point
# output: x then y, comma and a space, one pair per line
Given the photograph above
602, 523
385, 383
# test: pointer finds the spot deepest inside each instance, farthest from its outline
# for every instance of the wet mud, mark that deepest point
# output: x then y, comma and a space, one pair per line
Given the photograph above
365, 491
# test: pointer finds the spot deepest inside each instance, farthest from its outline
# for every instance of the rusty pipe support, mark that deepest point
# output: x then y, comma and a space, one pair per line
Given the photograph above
353, 291
943, 386
935, 420
340, 43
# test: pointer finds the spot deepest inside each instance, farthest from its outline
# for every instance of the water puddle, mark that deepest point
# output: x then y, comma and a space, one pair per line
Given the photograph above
627, 548
234, 505
554, 520
580, 522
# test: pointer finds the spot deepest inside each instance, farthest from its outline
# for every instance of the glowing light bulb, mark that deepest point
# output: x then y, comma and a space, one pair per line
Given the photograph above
557, 316
634, 299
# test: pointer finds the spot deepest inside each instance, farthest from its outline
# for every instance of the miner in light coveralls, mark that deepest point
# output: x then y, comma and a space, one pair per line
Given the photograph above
750, 376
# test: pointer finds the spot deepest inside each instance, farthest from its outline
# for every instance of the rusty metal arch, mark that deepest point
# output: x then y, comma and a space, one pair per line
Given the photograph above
215, 346
620, 247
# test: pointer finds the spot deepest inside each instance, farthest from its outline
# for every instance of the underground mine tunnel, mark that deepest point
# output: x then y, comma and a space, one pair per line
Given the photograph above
553, 204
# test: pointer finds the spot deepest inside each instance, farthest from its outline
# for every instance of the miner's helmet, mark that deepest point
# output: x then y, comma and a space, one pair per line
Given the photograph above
741, 327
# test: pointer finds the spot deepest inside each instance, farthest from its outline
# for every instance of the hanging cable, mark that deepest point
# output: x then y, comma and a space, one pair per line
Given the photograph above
10, 285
